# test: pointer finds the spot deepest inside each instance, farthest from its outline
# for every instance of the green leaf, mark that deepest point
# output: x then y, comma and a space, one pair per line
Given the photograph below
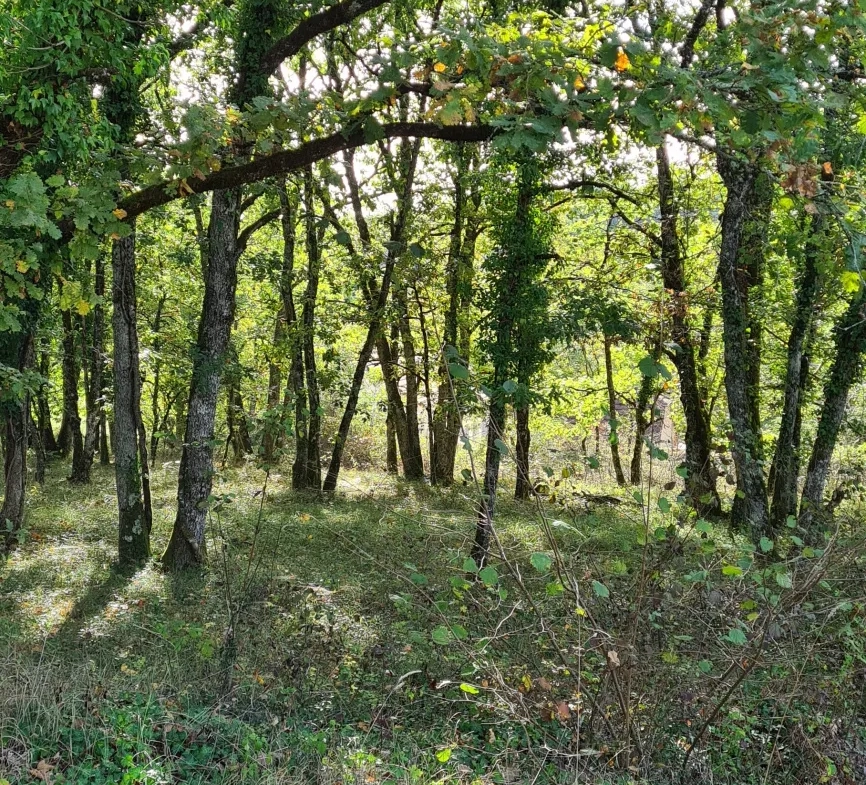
418, 579
766, 544
501, 446
600, 589
458, 371
664, 505
705, 666
784, 580
489, 576
541, 562
731, 570
469, 565
469, 689
736, 636
554, 588
459, 632
704, 526
441, 635
443, 756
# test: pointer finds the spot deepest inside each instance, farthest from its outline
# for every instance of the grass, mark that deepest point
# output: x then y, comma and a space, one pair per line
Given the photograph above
360, 652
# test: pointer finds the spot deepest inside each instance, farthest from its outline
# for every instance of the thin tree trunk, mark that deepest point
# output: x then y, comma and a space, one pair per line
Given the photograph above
391, 457
43, 417
308, 320
428, 394
700, 479
270, 438
17, 419
446, 420
95, 378
522, 484
133, 523
157, 374
414, 467
492, 460
751, 508
377, 305
641, 424
70, 428
187, 545
785, 464
612, 415
847, 368
35, 439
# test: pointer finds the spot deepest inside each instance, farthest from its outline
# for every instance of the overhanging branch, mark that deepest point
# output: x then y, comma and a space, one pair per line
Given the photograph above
286, 161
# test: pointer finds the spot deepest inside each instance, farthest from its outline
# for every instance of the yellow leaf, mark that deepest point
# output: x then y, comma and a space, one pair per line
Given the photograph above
83, 307
119, 213
22, 267
579, 84
10, 203
622, 62
115, 236
440, 68
851, 281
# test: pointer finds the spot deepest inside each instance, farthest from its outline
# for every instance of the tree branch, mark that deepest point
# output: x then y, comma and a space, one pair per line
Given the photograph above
335, 16
245, 236
573, 185
286, 161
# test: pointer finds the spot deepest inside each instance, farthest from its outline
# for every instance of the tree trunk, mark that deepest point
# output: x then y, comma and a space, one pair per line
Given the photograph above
17, 419
391, 465
846, 370
641, 424
133, 522
43, 416
34, 437
751, 508
187, 545
700, 479
95, 379
522, 484
271, 436
785, 464
409, 157
413, 466
446, 420
612, 416
428, 394
157, 375
313, 470
492, 460
70, 428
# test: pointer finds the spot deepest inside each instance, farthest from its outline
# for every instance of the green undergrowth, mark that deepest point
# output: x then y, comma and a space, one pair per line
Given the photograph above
351, 640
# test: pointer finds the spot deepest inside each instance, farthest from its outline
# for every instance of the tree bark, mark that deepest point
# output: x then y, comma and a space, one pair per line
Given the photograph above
313, 471
751, 508
133, 521
700, 479
413, 466
271, 436
613, 440
17, 420
785, 464
43, 417
157, 376
847, 368
409, 156
69, 438
641, 424
187, 545
522, 484
95, 379
446, 419
492, 460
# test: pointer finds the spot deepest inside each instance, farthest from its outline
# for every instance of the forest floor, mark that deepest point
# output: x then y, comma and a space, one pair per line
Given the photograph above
338, 640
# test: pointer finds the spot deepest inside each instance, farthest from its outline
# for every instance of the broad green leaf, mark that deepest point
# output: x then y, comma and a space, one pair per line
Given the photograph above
541, 561
600, 589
